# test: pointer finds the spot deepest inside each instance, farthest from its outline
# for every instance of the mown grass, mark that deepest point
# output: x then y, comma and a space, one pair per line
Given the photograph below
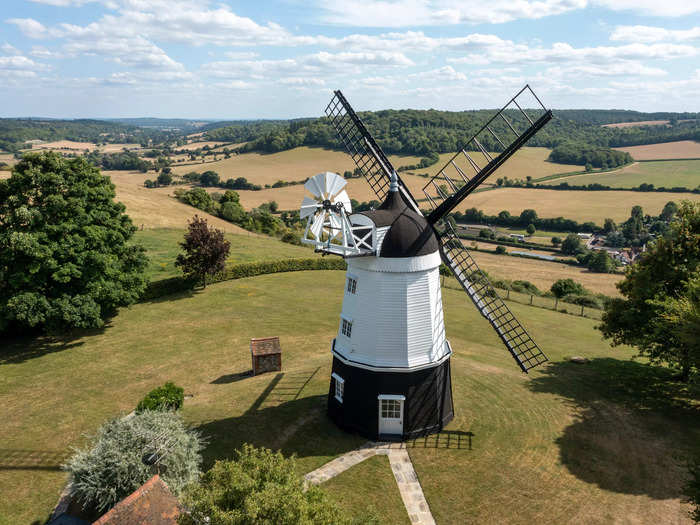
592, 443
162, 247
668, 174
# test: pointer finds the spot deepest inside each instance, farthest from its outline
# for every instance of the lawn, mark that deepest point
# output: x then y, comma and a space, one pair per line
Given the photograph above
682, 149
162, 247
596, 443
668, 174
581, 206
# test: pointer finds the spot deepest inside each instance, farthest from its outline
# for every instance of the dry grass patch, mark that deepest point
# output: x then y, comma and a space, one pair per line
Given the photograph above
682, 149
636, 124
149, 208
581, 206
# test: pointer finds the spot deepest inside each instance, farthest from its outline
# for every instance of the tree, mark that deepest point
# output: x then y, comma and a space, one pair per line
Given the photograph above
500, 249
164, 179
531, 229
209, 178
205, 249
113, 466
233, 212
662, 274
556, 241
609, 226
564, 287
66, 260
669, 211
528, 216
571, 245
197, 197
600, 262
260, 486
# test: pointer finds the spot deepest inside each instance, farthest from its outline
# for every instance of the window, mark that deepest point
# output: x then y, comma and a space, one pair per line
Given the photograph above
391, 408
339, 387
346, 328
352, 285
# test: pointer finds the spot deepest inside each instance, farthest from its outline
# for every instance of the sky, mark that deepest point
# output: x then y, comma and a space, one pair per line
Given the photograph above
204, 59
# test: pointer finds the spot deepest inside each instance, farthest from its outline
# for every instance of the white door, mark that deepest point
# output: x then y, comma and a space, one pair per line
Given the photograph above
391, 415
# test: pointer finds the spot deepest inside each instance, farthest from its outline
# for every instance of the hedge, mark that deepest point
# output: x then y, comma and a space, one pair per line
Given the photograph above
173, 285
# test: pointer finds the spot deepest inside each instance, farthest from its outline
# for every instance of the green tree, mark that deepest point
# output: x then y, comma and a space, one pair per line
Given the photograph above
209, 178
609, 226
205, 249
233, 212
260, 487
528, 216
66, 260
556, 241
197, 197
572, 244
669, 211
164, 179
500, 249
600, 262
662, 274
564, 287
115, 463
531, 229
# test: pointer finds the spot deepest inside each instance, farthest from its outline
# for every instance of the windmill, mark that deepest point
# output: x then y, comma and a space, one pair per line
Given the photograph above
391, 358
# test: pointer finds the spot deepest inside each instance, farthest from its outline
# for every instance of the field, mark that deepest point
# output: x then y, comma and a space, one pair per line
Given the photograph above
682, 149
69, 145
668, 174
635, 124
154, 209
162, 248
597, 443
581, 206
197, 145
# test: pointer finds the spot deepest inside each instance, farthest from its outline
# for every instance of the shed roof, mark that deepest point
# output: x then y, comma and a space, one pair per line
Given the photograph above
265, 345
152, 503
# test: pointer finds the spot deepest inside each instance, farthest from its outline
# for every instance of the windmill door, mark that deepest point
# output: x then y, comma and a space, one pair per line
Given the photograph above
391, 414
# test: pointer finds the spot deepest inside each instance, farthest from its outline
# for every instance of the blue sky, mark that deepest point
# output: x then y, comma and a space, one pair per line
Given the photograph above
228, 59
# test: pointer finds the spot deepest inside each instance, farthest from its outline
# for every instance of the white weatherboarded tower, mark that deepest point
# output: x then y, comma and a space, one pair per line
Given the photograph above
391, 359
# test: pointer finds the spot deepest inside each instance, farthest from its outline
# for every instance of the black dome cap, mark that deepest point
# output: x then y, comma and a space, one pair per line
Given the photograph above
409, 234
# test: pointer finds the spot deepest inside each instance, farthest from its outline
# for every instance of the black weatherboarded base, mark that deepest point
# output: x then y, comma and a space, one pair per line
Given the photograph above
427, 408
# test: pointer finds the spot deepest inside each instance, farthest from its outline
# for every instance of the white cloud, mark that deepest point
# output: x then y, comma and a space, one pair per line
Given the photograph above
299, 81
647, 34
64, 3
667, 8
406, 13
445, 73
382, 58
30, 27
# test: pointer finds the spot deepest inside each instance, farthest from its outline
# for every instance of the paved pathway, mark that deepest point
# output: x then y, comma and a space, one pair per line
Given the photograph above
401, 466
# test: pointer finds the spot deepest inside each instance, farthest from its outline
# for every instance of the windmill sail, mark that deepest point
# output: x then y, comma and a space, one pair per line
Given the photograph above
518, 342
506, 132
363, 149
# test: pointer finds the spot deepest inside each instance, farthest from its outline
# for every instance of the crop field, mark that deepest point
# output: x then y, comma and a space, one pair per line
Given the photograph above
636, 124
526, 161
291, 165
668, 174
596, 443
162, 247
69, 145
581, 206
682, 149
154, 209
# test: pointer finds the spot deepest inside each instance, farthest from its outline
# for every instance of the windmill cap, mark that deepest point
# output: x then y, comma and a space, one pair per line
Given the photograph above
409, 234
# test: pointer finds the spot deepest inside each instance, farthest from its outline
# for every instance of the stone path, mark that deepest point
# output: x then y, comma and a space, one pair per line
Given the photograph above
401, 466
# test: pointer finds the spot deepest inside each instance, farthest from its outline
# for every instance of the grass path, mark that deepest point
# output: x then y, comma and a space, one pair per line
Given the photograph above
570, 443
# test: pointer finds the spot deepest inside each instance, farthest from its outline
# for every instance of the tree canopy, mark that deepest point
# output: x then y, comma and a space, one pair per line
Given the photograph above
65, 256
205, 249
653, 289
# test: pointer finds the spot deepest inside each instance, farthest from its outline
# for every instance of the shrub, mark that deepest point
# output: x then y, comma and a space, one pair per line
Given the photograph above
583, 300
525, 287
113, 466
500, 249
563, 287
291, 237
259, 486
531, 229
166, 397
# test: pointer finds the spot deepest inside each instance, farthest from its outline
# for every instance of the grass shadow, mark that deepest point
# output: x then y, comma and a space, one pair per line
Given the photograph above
232, 378
632, 427
22, 348
26, 459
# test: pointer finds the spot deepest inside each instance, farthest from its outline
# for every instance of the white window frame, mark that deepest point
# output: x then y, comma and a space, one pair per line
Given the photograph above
351, 284
346, 327
339, 387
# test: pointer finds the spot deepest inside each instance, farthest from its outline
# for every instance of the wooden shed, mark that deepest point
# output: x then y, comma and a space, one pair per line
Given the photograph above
266, 354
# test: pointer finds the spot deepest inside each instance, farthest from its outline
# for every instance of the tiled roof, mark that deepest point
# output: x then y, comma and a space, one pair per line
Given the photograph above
265, 346
152, 503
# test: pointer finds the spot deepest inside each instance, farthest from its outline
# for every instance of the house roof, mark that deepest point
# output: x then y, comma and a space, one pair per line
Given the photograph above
265, 346
152, 503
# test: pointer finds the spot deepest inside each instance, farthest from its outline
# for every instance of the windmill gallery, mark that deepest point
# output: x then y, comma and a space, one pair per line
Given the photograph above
391, 358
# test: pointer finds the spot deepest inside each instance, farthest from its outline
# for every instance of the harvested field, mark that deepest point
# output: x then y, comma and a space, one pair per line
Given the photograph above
198, 145
69, 145
581, 206
292, 165
667, 174
155, 209
526, 161
682, 149
636, 124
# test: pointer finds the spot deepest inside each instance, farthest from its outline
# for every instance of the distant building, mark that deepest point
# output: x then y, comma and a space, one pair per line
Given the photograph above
517, 236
